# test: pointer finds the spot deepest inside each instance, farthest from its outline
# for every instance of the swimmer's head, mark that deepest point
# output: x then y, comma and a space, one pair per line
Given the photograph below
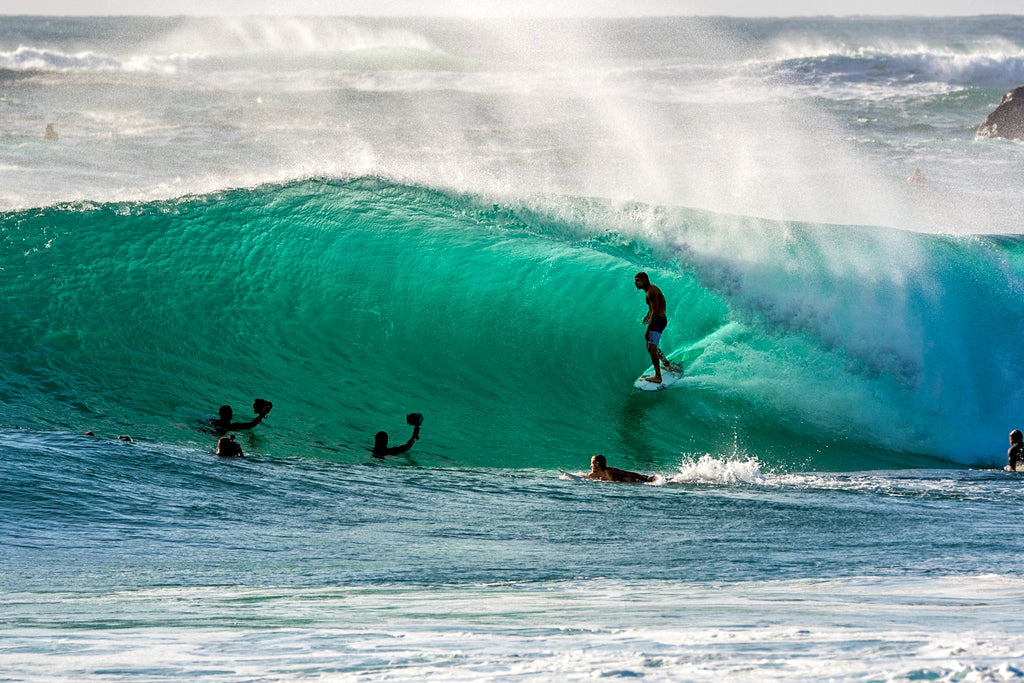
598, 462
227, 446
1016, 436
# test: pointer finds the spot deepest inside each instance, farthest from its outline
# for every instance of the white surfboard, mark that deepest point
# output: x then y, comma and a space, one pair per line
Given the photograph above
668, 378
574, 477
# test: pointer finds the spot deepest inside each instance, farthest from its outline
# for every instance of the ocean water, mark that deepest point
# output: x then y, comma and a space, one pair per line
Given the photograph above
361, 218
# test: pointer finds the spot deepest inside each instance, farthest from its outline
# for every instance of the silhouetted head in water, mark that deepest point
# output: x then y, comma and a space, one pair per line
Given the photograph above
380, 441
227, 447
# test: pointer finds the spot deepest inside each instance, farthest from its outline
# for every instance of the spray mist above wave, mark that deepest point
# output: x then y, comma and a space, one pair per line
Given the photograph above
667, 112
289, 34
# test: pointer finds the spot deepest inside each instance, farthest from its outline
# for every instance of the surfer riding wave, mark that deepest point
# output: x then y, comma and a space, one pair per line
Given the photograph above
656, 321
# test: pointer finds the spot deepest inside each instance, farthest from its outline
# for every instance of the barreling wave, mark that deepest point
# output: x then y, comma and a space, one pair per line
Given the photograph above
515, 329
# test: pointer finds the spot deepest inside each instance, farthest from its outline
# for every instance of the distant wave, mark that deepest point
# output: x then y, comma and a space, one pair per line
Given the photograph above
38, 59
907, 67
360, 58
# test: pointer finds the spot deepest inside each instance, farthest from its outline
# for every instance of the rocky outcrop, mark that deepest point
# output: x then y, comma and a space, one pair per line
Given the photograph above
1007, 121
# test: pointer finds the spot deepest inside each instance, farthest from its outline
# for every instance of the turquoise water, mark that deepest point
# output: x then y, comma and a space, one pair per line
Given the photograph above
516, 332
361, 218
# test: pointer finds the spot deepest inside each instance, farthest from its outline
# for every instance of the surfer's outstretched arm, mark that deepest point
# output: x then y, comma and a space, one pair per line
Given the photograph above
408, 444
224, 422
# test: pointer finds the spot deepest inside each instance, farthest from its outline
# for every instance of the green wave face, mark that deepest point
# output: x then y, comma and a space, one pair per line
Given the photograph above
515, 330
